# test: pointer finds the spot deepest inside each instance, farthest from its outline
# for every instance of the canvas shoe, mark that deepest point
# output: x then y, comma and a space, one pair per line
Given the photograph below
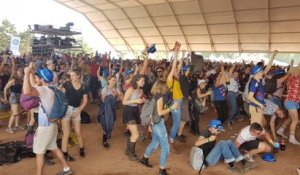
249, 165
236, 169
65, 172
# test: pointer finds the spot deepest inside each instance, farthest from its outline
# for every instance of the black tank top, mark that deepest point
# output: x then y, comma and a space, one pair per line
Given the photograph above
17, 88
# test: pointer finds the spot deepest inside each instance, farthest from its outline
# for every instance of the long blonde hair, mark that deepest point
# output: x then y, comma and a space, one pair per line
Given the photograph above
295, 71
159, 87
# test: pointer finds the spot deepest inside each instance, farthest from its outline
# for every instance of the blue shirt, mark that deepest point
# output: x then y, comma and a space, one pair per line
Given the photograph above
219, 93
257, 88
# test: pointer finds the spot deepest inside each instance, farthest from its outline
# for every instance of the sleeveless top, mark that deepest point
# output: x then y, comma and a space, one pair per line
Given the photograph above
134, 96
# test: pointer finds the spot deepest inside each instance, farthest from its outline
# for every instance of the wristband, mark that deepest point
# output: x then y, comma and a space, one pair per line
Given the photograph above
208, 139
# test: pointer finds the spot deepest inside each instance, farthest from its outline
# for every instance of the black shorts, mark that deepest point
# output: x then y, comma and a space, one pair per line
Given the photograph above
131, 115
253, 144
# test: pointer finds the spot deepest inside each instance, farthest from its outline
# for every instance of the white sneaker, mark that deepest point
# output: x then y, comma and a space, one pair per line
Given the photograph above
293, 140
249, 158
9, 130
280, 132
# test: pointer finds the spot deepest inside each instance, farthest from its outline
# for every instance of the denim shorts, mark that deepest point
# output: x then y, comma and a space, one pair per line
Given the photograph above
289, 105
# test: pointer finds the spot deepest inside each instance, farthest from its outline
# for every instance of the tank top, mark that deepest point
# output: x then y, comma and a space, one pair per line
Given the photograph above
17, 88
134, 96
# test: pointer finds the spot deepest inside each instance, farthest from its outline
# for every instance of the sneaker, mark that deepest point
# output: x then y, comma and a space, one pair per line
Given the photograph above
249, 158
292, 140
65, 172
180, 138
9, 130
236, 169
69, 158
280, 132
249, 165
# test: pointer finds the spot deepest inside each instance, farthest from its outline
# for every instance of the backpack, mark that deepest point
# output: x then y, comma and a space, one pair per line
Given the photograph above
197, 159
85, 117
271, 85
149, 112
29, 102
60, 105
246, 91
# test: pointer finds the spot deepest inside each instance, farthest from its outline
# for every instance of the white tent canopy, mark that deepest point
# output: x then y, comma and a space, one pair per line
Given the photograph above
200, 25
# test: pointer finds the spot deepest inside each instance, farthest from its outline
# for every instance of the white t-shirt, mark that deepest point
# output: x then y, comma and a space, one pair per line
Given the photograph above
233, 86
246, 136
47, 99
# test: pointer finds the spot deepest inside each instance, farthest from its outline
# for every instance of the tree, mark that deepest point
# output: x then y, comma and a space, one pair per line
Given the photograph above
6, 29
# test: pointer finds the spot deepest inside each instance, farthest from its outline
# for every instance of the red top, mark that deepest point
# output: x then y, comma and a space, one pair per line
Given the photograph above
293, 89
93, 68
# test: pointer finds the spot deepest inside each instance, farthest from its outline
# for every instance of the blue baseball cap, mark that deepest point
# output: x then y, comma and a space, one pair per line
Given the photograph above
45, 74
152, 48
279, 72
216, 124
268, 157
254, 70
105, 73
185, 68
128, 71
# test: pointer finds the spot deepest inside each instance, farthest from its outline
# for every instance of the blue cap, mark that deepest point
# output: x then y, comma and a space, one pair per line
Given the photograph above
185, 68
216, 124
279, 72
256, 69
45, 74
269, 157
128, 71
105, 73
152, 48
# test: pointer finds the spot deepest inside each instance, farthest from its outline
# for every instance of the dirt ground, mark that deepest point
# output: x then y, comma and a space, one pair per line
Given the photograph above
113, 161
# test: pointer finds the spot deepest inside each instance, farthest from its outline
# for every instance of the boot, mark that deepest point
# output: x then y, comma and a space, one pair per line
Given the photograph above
145, 161
81, 152
162, 172
104, 141
127, 148
173, 149
131, 152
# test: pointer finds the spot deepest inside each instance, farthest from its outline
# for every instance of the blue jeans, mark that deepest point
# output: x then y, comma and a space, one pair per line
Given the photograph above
232, 96
176, 120
224, 150
159, 136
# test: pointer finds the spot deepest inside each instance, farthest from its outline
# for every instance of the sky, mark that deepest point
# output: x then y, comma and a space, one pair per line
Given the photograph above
29, 12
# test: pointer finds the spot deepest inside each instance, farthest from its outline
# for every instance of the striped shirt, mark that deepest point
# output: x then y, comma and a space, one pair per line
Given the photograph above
246, 136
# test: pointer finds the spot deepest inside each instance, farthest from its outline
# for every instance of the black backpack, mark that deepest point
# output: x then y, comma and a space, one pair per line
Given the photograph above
85, 117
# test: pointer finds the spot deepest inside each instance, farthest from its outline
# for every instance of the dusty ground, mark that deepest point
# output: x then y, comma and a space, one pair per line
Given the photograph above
99, 161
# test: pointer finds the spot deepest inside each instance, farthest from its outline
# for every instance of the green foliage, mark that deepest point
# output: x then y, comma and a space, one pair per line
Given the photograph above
7, 29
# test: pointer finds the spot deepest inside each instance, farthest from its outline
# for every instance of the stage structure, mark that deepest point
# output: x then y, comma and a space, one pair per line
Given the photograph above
47, 39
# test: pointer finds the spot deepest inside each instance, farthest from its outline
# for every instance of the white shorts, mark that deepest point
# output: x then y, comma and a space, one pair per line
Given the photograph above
69, 114
45, 139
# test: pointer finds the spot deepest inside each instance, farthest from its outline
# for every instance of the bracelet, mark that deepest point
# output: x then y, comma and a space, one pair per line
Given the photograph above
208, 139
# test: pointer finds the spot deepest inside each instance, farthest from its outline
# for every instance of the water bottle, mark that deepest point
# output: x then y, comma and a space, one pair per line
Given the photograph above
282, 145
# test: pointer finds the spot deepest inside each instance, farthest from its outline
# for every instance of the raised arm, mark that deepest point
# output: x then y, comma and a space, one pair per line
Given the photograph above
27, 87
270, 62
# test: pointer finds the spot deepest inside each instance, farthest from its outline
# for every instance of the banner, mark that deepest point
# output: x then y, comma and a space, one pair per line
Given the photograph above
15, 45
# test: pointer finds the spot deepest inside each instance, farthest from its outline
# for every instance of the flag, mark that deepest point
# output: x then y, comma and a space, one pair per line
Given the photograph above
15, 45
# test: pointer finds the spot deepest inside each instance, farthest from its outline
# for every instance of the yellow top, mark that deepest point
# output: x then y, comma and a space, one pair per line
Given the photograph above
177, 94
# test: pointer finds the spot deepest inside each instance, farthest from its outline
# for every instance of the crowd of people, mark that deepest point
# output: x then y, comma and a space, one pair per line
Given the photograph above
235, 91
